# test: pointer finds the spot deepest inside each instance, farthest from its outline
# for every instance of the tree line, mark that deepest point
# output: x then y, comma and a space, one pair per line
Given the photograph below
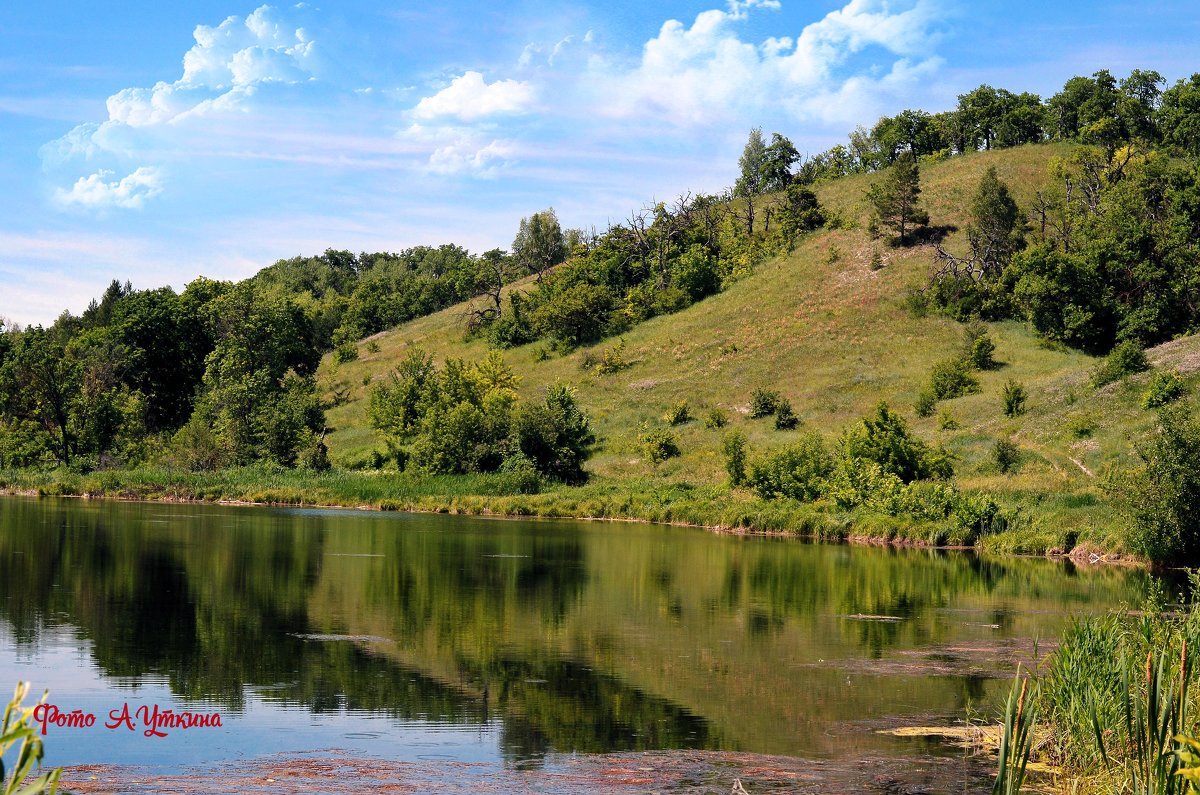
222, 373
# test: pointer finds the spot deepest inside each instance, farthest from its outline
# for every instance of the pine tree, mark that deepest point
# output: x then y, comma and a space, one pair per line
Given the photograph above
895, 197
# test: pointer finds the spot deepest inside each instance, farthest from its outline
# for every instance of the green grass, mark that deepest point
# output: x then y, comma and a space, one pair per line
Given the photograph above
834, 337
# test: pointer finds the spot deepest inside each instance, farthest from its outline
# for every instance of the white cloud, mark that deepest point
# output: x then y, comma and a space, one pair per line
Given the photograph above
226, 67
470, 98
97, 192
706, 73
460, 150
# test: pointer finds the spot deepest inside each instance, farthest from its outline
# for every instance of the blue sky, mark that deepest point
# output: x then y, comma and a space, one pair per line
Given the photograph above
159, 142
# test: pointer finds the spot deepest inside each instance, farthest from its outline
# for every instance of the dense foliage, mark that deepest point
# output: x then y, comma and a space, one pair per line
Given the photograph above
466, 417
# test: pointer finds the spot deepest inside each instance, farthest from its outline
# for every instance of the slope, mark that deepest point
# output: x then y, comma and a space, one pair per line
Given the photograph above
828, 327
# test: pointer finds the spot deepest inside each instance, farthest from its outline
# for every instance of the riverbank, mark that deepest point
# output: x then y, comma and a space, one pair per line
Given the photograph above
714, 508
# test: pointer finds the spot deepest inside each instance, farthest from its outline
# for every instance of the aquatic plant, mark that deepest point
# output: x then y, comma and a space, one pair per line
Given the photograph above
18, 729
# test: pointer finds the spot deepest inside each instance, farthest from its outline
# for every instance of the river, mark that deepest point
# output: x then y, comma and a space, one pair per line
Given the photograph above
442, 653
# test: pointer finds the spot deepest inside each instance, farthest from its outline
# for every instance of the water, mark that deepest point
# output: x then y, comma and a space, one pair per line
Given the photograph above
507, 646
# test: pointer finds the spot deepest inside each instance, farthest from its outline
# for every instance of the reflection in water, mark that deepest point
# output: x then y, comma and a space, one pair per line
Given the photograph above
588, 638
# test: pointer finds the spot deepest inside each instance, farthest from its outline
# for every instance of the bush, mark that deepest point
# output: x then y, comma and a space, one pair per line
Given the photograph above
951, 379
926, 403
1081, 426
1006, 456
555, 434
519, 475
612, 360
659, 444
797, 471
716, 418
1161, 495
1164, 387
885, 440
678, 414
734, 448
978, 348
1014, 399
345, 352
947, 421
1125, 359
785, 418
763, 403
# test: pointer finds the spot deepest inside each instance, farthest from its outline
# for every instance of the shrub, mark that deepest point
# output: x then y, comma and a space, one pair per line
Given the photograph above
372, 346
716, 418
978, 348
951, 379
947, 422
797, 471
1006, 456
884, 439
678, 414
763, 403
1161, 495
733, 446
612, 360
1163, 388
519, 475
576, 315
785, 418
926, 403
659, 444
555, 434
1014, 399
1081, 426
1125, 359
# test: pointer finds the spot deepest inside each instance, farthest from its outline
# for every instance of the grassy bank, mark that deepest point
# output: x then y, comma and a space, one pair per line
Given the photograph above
710, 506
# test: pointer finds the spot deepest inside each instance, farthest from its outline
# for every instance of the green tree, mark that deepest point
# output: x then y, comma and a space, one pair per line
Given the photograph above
750, 175
995, 232
539, 244
777, 161
556, 434
38, 384
1159, 498
895, 198
884, 439
1178, 115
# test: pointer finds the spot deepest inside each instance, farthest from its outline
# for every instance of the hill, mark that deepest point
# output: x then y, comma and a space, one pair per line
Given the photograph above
828, 326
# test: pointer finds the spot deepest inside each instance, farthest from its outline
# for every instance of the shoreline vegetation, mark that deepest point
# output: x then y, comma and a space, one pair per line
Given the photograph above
713, 509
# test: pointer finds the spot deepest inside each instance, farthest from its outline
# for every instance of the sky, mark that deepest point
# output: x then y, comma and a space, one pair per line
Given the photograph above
159, 142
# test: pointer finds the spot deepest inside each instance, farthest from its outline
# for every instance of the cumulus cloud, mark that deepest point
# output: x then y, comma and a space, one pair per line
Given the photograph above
456, 150
226, 66
470, 98
98, 191
706, 71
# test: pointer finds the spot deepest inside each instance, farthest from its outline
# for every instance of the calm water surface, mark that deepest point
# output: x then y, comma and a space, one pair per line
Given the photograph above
504, 643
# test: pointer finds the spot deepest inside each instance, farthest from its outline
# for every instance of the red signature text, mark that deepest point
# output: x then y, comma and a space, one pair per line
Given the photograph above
153, 721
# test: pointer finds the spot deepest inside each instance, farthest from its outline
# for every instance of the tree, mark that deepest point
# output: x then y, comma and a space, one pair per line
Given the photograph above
895, 197
981, 111
38, 383
1178, 115
555, 435
1139, 98
540, 244
1159, 498
776, 168
750, 177
995, 229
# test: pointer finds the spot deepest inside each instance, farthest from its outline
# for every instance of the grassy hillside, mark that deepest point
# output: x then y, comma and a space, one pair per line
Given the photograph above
834, 336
